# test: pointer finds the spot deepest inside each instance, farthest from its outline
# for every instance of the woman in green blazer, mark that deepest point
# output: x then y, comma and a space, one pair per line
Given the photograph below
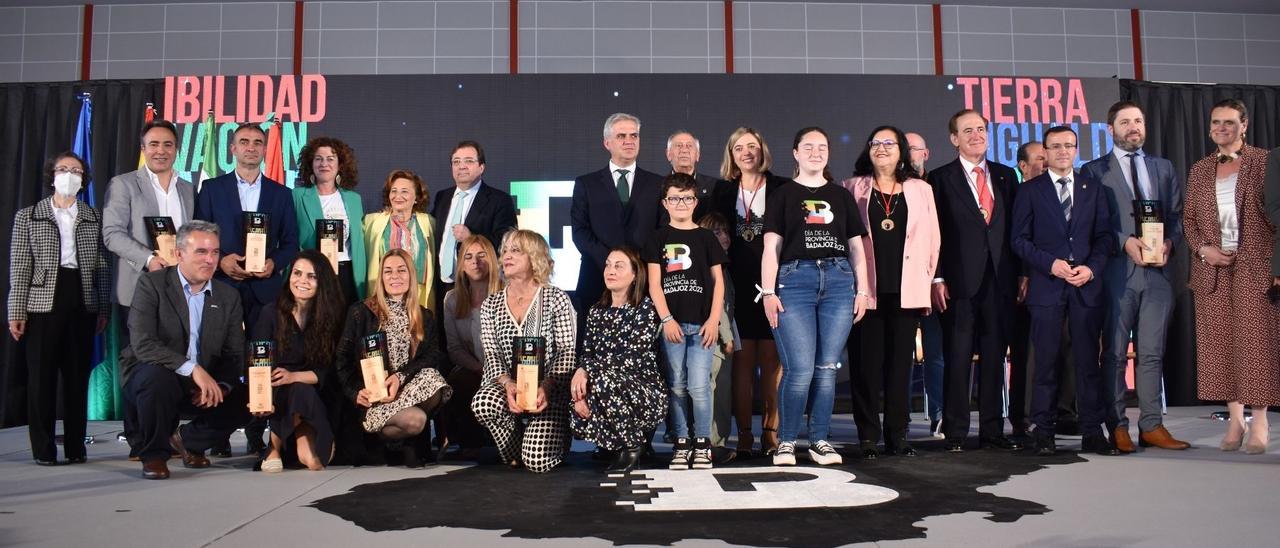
327, 176
404, 224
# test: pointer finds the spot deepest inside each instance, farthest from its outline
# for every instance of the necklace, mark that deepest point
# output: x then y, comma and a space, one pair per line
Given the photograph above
749, 231
888, 203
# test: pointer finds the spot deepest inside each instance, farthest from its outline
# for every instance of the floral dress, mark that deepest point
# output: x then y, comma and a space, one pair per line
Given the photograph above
420, 388
625, 391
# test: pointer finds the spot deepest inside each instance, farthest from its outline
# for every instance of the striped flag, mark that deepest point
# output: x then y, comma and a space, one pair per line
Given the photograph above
275, 153
82, 147
209, 162
147, 116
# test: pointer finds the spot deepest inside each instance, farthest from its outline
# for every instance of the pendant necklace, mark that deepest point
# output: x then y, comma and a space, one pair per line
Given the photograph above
888, 203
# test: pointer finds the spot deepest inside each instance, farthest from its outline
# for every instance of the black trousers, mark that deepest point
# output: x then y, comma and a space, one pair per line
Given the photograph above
982, 318
882, 375
347, 281
130, 430
159, 397
1022, 370
59, 342
1085, 326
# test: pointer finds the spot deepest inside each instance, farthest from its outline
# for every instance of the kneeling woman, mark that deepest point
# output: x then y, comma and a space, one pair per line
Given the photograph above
618, 393
529, 306
304, 323
415, 388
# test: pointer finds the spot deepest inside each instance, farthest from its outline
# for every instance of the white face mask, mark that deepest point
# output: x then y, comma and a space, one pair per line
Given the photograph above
66, 184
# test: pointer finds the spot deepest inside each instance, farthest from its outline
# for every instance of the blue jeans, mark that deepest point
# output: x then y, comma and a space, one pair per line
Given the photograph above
689, 378
931, 339
817, 302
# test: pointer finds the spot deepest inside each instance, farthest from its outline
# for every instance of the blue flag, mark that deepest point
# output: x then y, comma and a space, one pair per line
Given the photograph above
82, 147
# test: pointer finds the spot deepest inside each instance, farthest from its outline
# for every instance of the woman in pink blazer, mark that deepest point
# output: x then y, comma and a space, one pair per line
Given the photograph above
902, 224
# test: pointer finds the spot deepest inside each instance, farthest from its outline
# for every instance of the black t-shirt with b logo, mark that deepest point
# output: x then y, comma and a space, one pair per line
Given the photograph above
815, 223
686, 258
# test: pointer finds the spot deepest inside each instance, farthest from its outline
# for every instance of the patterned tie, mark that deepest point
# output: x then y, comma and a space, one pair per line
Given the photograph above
1064, 196
624, 189
985, 201
448, 253
1133, 174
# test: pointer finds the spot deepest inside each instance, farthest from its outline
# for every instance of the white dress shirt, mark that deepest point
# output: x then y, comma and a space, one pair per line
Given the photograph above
972, 177
631, 175
169, 202
66, 219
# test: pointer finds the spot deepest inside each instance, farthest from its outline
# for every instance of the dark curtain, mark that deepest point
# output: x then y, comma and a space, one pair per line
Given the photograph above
1178, 129
37, 121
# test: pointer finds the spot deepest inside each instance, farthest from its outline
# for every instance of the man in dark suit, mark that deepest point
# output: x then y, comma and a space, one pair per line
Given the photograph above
185, 357
714, 194
1139, 293
976, 280
1062, 231
614, 206
470, 207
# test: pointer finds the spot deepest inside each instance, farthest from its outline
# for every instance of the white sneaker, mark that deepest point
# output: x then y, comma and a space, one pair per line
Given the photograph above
823, 453
785, 455
681, 455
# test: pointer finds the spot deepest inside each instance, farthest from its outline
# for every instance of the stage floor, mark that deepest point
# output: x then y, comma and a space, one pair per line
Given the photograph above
1199, 497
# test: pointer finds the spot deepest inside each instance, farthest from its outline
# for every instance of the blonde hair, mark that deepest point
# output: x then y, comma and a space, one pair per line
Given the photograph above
536, 248
377, 302
462, 306
728, 170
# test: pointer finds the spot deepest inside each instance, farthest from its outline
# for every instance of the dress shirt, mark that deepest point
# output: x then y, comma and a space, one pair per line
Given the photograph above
66, 219
250, 192
1144, 178
970, 176
631, 175
169, 202
454, 204
195, 315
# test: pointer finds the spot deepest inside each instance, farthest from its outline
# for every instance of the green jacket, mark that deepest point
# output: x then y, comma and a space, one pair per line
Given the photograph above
306, 201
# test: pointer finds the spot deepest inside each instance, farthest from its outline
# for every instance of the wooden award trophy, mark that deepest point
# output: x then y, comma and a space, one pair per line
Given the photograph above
261, 362
529, 355
1150, 221
373, 367
330, 237
164, 238
255, 241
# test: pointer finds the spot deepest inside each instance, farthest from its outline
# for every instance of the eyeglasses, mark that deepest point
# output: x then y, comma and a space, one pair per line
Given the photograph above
680, 200
1061, 146
465, 161
885, 144
61, 170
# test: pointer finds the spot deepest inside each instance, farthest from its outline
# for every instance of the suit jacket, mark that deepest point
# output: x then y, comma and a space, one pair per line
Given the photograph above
968, 242
492, 214
1119, 194
129, 198
219, 202
1042, 234
306, 204
714, 195
35, 253
1272, 202
601, 222
159, 328
920, 251
1257, 232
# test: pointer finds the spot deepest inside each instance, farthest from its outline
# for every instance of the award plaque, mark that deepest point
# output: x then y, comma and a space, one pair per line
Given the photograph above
1150, 222
373, 367
329, 236
255, 241
528, 355
261, 362
164, 238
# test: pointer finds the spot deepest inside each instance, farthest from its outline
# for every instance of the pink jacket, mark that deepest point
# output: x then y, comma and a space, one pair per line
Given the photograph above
920, 253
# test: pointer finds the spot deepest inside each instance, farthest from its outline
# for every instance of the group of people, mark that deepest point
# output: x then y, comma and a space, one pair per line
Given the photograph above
696, 296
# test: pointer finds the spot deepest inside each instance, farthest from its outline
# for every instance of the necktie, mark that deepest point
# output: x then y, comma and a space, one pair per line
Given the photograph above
1064, 196
985, 201
1133, 174
448, 253
624, 189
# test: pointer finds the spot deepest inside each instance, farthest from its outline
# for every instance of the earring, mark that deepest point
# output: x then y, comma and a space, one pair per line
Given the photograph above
312, 178
337, 180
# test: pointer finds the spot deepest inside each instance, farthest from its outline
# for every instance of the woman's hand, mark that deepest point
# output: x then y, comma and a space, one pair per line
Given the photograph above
17, 328
512, 404
578, 386
671, 330
541, 404
772, 307
710, 333
1215, 256
281, 376
393, 386
580, 407
362, 398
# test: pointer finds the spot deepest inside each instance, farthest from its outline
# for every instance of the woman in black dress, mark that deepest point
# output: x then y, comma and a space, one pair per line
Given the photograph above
303, 323
617, 391
746, 163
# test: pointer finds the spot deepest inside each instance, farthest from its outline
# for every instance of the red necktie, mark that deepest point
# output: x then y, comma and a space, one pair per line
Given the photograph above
984, 193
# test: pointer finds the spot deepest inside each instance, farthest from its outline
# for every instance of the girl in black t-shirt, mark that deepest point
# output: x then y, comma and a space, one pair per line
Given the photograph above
813, 253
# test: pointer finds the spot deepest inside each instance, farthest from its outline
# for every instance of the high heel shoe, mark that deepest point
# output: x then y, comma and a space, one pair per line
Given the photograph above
1255, 448
1228, 445
745, 441
769, 447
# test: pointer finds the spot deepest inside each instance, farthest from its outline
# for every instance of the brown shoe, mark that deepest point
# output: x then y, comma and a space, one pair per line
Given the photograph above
156, 469
1120, 437
1161, 438
190, 459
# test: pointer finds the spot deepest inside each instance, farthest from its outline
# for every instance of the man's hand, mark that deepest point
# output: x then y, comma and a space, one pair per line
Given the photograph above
1061, 269
461, 232
710, 333
1082, 275
1024, 284
1133, 247
268, 268
155, 263
230, 265
210, 394
940, 296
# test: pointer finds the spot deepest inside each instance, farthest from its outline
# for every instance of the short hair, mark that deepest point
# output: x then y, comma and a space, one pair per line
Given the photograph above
157, 123
251, 127
193, 226
421, 199
348, 171
951, 124
52, 162
696, 143
901, 172
1023, 155
1058, 129
639, 286
1119, 106
618, 117
1235, 104
468, 143
795, 145
728, 170
713, 221
678, 181
535, 246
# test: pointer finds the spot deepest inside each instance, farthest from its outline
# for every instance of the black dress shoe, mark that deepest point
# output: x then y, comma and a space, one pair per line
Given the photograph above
1000, 442
901, 449
955, 446
1067, 427
869, 451
625, 460
1045, 446
76, 460
221, 450
47, 462
1099, 445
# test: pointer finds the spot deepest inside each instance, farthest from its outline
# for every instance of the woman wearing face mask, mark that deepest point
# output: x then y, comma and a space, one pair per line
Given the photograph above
58, 300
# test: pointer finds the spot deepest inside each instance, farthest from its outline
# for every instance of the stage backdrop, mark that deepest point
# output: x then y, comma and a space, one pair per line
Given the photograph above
539, 131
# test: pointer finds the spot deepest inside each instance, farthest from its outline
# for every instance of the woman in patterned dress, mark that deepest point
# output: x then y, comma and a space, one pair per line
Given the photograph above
414, 385
528, 306
1237, 327
617, 392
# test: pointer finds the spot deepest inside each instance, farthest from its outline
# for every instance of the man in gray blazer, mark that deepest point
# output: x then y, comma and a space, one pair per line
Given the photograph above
185, 357
1139, 294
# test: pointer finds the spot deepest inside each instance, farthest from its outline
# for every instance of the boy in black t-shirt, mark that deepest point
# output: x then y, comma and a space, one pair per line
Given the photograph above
687, 288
